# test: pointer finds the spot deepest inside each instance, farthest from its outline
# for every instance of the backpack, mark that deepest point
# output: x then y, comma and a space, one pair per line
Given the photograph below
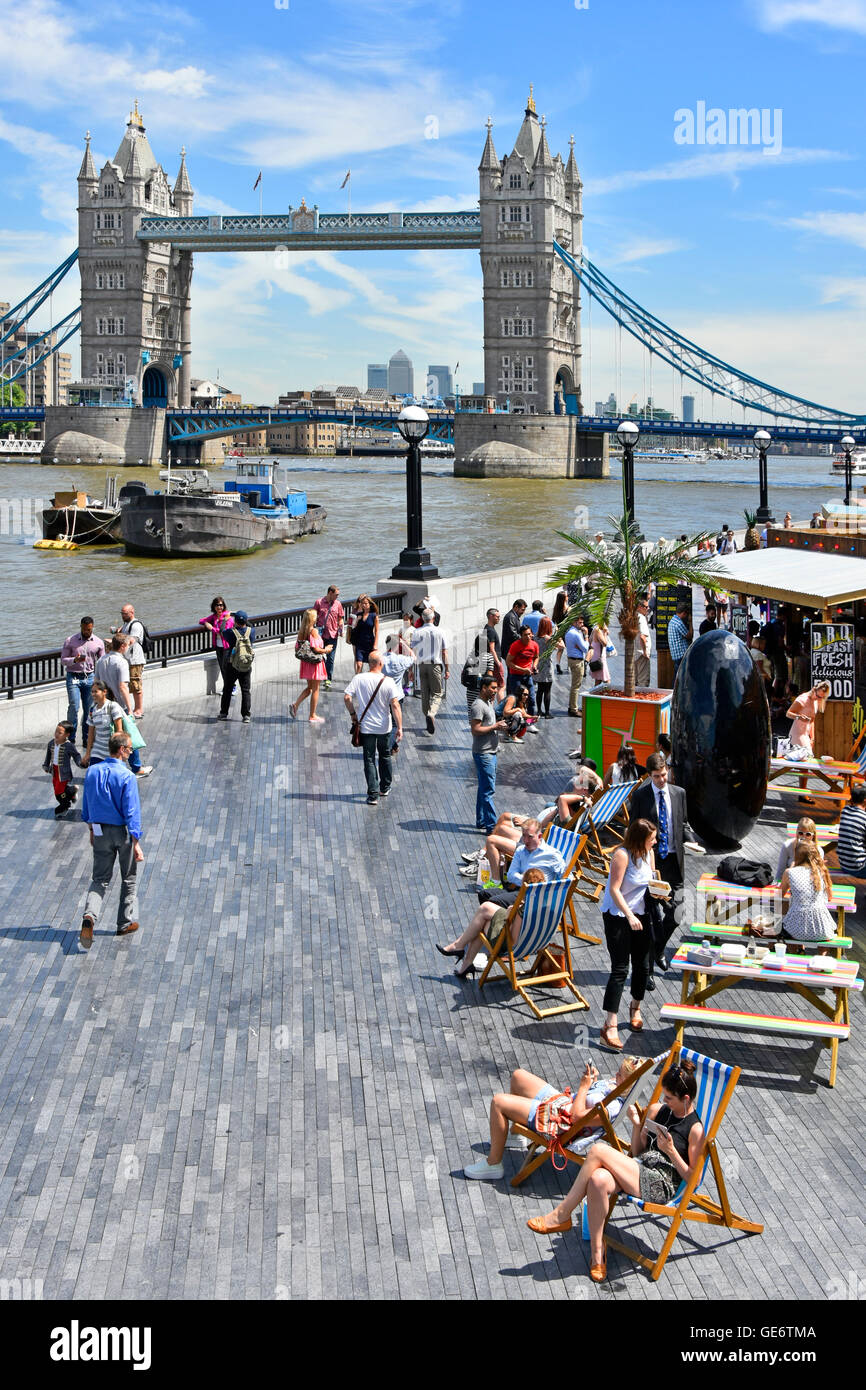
242, 656
145, 641
748, 873
469, 676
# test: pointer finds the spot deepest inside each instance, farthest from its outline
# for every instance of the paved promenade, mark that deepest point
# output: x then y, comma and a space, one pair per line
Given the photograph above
271, 1090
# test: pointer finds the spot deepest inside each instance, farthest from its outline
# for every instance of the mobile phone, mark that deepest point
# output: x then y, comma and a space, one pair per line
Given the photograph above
655, 1128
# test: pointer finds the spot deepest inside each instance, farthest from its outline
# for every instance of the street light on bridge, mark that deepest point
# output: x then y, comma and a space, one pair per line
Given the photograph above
413, 424
848, 444
627, 432
762, 441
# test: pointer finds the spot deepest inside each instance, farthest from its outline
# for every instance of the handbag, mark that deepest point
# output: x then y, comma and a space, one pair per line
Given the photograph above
595, 666
305, 652
130, 727
552, 1120
355, 726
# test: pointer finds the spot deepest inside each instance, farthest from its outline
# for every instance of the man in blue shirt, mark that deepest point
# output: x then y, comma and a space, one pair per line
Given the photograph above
576, 649
533, 620
532, 853
110, 806
680, 633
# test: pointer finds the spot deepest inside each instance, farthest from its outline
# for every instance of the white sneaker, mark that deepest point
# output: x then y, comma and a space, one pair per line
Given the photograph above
483, 1171
469, 871
472, 858
144, 772
532, 729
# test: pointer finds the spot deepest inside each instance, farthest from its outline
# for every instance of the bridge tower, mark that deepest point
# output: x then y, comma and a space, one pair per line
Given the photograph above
531, 302
135, 296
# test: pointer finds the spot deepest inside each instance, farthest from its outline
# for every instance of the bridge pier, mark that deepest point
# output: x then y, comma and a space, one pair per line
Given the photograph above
527, 446
120, 436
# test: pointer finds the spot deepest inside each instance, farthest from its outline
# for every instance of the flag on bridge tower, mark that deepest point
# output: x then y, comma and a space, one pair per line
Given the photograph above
346, 179
258, 181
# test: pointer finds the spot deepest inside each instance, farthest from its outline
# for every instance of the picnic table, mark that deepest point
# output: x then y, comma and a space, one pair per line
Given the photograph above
700, 983
737, 896
827, 834
838, 777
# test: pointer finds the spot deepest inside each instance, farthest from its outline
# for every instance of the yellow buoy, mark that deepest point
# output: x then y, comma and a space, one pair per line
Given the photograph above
55, 545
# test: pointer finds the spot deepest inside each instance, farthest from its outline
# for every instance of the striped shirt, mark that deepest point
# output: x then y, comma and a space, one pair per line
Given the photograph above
678, 638
851, 847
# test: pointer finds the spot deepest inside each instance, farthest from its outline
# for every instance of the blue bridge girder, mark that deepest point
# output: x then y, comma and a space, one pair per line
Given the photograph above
10, 413
185, 425
709, 429
308, 229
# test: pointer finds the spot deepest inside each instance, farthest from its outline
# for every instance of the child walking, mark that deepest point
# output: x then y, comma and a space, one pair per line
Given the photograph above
58, 755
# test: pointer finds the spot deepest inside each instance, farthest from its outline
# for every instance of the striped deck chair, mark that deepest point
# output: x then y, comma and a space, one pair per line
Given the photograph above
716, 1083
576, 1145
598, 817
572, 847
858, 752
543, 907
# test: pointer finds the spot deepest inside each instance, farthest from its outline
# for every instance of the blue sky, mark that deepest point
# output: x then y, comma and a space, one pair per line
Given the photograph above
759, 258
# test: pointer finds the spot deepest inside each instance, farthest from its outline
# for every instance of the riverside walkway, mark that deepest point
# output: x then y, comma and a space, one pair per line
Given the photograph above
270, 1090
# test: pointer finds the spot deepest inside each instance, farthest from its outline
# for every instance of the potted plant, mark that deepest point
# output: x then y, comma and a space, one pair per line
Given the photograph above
615, 577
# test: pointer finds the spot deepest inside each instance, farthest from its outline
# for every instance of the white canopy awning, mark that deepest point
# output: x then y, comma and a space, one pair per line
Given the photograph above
812, 578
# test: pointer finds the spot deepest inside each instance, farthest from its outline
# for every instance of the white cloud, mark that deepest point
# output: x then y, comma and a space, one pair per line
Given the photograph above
722, 164
642, 250
775, 15
844, 226
835, 290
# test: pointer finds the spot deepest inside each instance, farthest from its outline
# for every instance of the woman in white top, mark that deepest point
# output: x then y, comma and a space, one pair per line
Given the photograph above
105, 718
626, 927
808, 917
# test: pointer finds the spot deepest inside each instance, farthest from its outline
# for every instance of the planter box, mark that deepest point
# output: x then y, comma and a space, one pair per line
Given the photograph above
611, 720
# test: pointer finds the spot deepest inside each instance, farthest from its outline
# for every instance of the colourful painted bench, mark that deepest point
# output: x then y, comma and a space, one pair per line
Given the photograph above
736, 931
760, 1023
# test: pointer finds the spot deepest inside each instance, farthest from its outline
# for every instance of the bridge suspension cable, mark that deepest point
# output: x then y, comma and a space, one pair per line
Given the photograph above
694, 362
21, 314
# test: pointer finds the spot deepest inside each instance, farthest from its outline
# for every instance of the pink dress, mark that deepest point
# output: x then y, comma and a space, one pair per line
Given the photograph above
598, 652
803, 727
314, 670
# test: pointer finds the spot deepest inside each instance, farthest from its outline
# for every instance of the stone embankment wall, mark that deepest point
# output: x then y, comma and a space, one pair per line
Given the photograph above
119, 436
527, 446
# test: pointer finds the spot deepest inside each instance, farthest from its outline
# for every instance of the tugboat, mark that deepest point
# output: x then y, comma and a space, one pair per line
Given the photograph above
193, 518
74, 519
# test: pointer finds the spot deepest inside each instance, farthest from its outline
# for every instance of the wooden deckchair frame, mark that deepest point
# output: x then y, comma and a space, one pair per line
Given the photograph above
598, 1115
599, 855
690, 1205
574, 870
501, 954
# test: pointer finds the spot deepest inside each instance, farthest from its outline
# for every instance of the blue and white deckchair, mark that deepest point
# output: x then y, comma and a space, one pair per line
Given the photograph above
541, 908
599, 816
572, 847
716, 1084
858, 752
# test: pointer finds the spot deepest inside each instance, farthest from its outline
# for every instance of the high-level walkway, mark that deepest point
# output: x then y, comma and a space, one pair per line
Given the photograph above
271, 1090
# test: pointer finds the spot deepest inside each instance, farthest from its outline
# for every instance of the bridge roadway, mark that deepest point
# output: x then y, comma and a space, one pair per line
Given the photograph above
306, 229
272, 1088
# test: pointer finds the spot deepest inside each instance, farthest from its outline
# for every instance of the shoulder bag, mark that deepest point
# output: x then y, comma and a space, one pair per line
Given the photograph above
552, 1120
305, 652
355, 727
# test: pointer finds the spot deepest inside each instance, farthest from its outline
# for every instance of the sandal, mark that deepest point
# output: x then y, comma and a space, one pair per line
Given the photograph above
607, 1042
634, 1017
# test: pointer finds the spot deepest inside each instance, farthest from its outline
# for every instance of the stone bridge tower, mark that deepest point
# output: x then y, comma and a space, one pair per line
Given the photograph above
135, 296
531, 300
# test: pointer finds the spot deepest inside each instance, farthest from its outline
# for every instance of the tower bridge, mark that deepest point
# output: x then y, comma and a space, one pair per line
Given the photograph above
137, 236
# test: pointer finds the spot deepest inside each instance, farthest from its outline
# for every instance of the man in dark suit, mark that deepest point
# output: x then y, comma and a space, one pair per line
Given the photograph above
664, 805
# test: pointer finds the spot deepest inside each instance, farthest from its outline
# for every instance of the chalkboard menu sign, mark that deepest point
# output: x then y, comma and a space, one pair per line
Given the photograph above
667, 598
833, 658
740, 620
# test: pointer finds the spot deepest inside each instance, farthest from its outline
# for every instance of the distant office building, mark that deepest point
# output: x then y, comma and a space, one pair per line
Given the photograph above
599, 407
477, 388
689, 408
444, 382
401, 375
377, 376
610, 405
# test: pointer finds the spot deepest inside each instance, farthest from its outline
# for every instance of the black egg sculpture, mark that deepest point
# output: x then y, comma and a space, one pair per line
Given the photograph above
720, 730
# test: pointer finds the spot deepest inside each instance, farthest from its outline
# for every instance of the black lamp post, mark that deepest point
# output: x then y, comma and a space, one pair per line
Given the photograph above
413, 425
848, 445
627, 432
762, 441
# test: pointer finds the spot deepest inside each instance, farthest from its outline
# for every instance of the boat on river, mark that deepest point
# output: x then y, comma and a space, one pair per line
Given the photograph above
75, 519
191, 517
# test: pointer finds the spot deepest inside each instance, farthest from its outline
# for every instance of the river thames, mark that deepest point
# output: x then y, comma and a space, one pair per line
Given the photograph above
469, 525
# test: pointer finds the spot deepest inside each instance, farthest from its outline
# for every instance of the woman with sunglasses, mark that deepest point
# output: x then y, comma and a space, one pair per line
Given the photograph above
805, 834
217, 622
666, 1149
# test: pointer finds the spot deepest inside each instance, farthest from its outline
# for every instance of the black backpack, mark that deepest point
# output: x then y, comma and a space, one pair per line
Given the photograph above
748, 873
469, 676
146, 642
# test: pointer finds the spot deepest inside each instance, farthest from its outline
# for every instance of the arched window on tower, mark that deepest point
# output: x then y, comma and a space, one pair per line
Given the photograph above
159, 281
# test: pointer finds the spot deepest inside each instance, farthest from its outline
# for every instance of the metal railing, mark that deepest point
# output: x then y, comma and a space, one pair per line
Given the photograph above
18, 673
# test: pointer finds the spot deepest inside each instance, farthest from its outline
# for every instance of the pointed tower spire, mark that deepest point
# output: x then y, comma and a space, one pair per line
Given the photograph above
529, 135
543, 159
489, 162
88, 168
182, 185
571, 173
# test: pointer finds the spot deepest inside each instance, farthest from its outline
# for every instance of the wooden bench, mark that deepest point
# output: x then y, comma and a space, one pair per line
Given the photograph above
761, 1023
736, 931
827, 834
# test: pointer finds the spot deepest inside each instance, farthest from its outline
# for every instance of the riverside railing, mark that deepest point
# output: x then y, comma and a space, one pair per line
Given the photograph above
19, 673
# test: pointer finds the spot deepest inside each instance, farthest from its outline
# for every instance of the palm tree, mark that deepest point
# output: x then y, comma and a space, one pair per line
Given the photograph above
623, 574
